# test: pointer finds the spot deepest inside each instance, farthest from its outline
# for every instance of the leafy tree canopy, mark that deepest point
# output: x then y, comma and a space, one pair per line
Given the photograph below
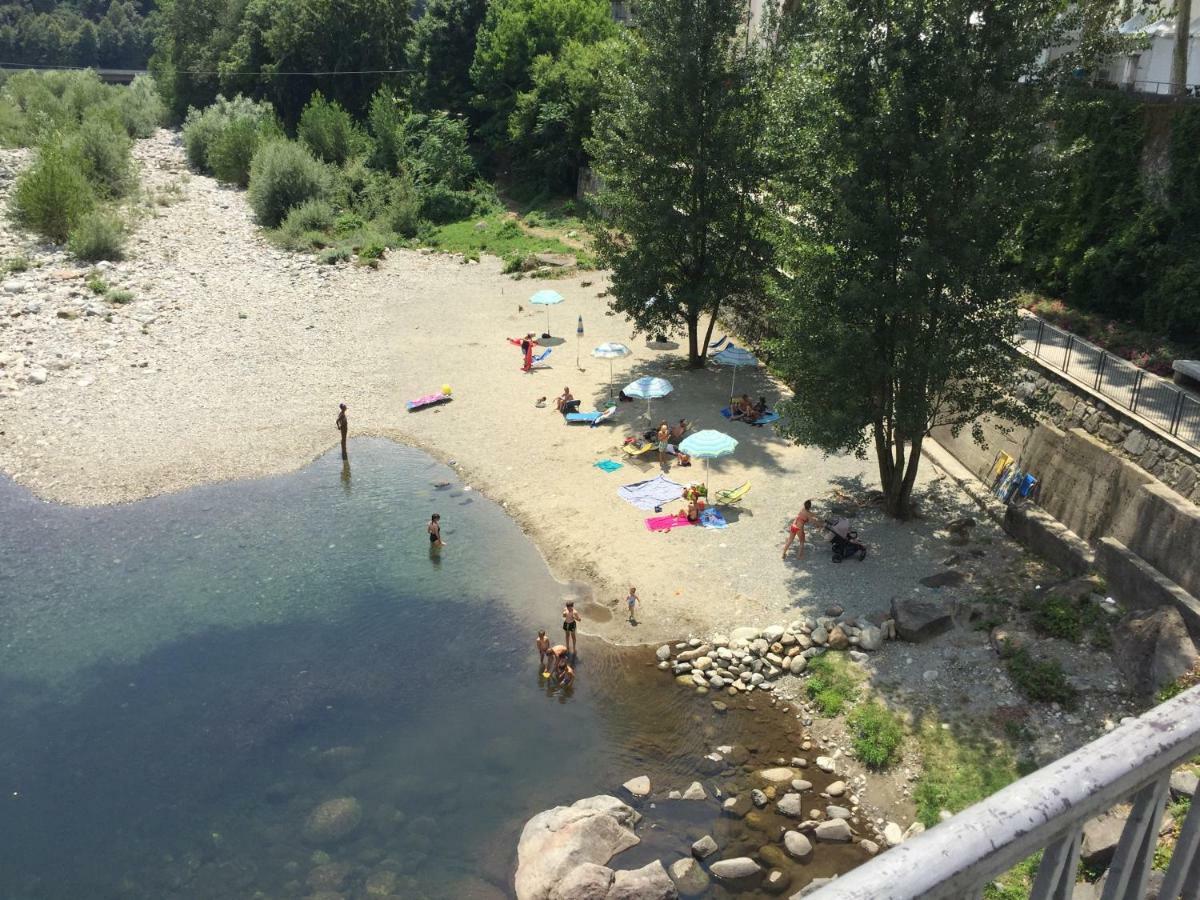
442, 47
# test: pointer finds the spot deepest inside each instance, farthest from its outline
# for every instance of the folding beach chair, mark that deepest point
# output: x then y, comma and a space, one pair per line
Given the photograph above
590, 418
728, 498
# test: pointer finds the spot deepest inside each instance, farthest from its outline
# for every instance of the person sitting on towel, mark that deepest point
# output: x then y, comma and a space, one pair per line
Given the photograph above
743, 409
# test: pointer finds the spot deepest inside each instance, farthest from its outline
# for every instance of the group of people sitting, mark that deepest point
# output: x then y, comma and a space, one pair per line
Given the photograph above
746, 410
555, 661
696, 504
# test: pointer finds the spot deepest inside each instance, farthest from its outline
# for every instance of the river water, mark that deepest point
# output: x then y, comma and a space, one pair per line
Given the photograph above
184, 679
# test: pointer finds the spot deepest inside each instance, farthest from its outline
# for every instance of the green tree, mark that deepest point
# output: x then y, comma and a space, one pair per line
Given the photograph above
515, 33
681, 148
441, 50
915, 137
553, 119
328, 131
192, 38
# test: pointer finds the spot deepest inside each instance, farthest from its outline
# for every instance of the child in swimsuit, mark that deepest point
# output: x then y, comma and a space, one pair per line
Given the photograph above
571, 619
543, 646
633, 603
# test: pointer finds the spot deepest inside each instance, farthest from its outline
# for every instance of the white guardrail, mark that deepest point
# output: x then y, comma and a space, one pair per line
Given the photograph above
1046, 810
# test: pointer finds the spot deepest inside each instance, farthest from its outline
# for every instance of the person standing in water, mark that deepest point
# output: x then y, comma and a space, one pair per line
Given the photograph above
543, 647
343, 426
796, 529
571, 620
435, 531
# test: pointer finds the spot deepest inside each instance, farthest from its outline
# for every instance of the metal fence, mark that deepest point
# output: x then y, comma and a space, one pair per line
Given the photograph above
1046, 810
1146, 395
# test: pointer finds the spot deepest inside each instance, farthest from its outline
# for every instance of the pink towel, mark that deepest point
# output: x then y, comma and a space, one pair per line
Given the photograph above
666, 523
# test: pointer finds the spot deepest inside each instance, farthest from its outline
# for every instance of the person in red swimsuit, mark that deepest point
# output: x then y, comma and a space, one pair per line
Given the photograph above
796, 530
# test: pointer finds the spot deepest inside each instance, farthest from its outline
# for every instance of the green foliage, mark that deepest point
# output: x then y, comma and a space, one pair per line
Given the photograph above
119, 297
385, 118
442, 205
1015, 884
105, 153
680, 143
896, 255
334, 255
443, 38
959, 769
877, 734
371, 251
434, 150
1179, 685
114, 35
221, 140
17, 264
283, 174
53, 194
99, 234
312, 215
328, 131
97, 285
36, 105
514, 34
395, 204
832, 683
141, 108
1042, 680
499, 237
553, 119
1058, 617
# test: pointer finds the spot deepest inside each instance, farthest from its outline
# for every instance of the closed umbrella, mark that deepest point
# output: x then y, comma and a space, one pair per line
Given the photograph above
546, 299
649, 388
611, 351
706, 445
735, 358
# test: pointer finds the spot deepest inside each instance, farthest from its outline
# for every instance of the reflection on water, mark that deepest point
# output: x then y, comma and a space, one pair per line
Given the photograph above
184, 680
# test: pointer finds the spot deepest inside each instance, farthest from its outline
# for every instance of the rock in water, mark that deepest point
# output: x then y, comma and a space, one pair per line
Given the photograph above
836, 789
737, 806
333, 821
826, 764
835, 830
695, 791
919, 619
797, 845
689, 876
705, 847
663, 653
639, 787
892, 834
557, 841
790, 806
585, 882
650, 882
778, 775
735, 868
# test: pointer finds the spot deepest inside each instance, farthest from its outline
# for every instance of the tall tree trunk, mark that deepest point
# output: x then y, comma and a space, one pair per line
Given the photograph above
1179, 59
897, 470
695, 361
712, 323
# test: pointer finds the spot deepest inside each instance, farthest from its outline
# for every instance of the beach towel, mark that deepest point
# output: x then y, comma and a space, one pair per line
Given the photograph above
427, 400
651, 493
666, 523
608, 465
712, 518
765, 419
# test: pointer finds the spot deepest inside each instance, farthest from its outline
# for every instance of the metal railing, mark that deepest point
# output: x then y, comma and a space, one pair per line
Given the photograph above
1123, 384
1046, 811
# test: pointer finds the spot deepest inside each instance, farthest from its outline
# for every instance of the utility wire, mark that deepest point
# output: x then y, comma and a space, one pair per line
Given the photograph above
19, 66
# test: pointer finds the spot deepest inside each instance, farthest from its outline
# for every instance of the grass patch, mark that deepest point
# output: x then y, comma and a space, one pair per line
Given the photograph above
17, 264
1069, 620
97, 285
960, 770
334, 255
877, 734
1179, 685
119, 297
1016, 883
1042, 680
500, 236
832, 683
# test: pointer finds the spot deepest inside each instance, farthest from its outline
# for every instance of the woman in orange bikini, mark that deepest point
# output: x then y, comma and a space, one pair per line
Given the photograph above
797, 529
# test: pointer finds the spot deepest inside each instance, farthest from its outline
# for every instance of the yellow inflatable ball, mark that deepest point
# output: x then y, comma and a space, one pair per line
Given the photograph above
446, 390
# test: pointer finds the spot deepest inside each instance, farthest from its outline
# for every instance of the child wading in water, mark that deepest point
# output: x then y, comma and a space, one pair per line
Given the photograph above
435, 531
571, 620
633, 602
543, 646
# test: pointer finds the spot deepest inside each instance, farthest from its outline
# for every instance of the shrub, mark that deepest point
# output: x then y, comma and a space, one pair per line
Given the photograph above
97, 285
1042, 680
141, 107
283, 174
99, 234
394, 203
328, 131
1058, 617
334, 255
119, 297
372, 251
435, 150
347, 223
18, 264
385, 119
53, 193
312, 215
877, 734
831, 683
106, 157
233, 147
202, 129
442, 205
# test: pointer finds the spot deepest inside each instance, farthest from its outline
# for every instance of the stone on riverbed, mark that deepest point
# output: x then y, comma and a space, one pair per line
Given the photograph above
556, 842
797, 845
836, 789
738, 806
639, 787
689, 876
705, 847
745, 634
589, 881
826, 764
695, 791
663, 653
835, 830
333, 821
777, 775
893, 835
735, 868
919, 619
791, 806
650, 882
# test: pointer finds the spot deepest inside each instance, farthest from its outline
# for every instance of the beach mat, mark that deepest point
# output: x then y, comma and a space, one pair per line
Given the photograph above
712, 518
666, 523
765, 419
608, 465
651, 493
427, 401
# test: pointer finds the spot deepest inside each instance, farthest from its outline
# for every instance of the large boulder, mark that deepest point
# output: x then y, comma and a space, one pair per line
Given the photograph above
333, 821
589, 881
1101, 835
650, 882
557, 841
835, 831
1153, 649
919, 619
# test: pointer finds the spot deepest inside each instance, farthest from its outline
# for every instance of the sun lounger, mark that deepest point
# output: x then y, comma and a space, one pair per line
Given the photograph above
428, 400
728, 498
541, 356
591, 418
635, 450
765, 419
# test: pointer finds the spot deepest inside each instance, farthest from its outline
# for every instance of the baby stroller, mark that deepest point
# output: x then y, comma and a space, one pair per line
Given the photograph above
845, 541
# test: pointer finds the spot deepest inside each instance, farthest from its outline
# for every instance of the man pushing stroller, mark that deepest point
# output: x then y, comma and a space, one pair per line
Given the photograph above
845, 540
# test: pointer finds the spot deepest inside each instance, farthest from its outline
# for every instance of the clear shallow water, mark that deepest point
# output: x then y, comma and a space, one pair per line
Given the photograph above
182, 680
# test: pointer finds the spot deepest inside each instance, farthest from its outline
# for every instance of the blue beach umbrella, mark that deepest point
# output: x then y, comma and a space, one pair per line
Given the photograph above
648, 388
706, 445
546, 299
736, 358
611, 351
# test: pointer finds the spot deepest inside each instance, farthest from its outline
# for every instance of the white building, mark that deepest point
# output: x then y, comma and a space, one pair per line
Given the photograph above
1149, 69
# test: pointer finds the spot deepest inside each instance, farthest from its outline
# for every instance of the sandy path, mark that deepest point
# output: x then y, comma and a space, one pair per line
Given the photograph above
233, 358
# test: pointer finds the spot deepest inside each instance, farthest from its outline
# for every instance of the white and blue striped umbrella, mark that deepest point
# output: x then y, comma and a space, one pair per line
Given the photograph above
611, 351
706, 445
736, 358
650, 388
547, 299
